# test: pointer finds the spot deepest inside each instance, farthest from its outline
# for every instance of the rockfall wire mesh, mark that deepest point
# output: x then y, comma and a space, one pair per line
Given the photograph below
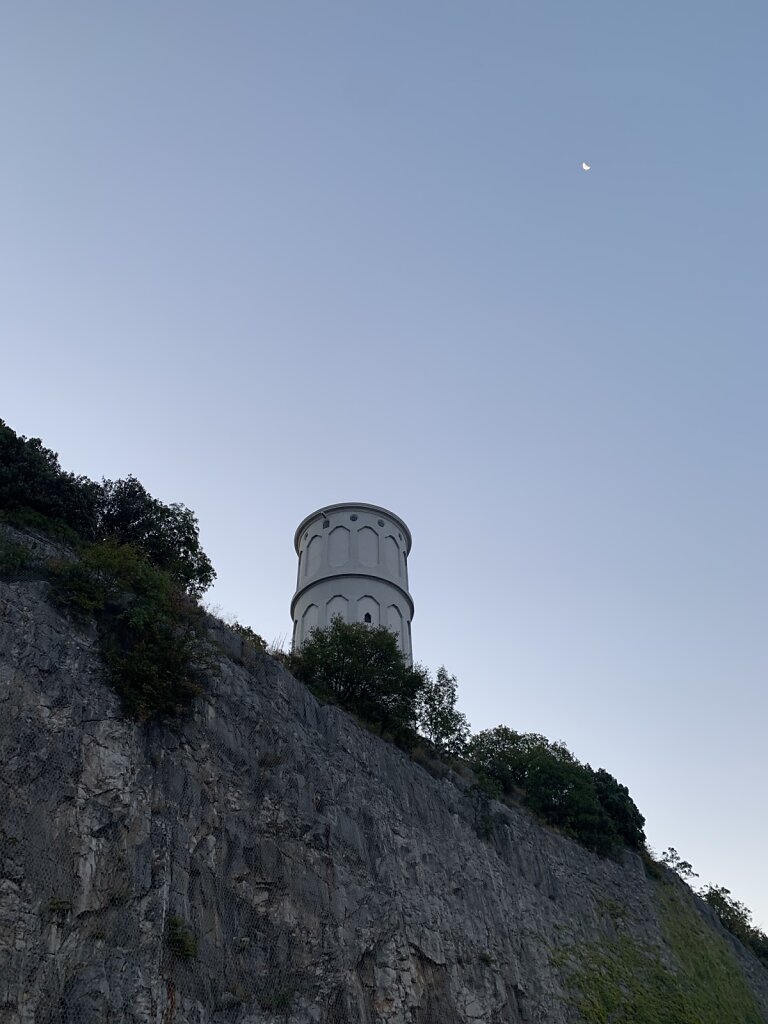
109, 924
267, 861
223, 871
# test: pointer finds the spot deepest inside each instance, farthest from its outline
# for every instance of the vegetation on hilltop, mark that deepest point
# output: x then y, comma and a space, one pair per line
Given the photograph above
591, 806
139, 572
439, 720
35, 491
153, 637
733, 915
362, 669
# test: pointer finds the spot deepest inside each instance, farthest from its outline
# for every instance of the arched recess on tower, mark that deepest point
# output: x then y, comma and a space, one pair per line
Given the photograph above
309, 621
338, 546
395, 624
392, 555
368, 546
338, 605
314, 555
369, 606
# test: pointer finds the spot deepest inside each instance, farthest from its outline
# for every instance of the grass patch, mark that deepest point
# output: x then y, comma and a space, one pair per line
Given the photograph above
625, 981
16, 560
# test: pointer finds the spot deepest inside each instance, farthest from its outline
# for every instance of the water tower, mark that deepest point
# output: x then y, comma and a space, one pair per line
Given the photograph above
353, 562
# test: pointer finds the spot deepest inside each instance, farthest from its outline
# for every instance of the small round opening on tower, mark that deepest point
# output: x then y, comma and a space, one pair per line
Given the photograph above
367, 618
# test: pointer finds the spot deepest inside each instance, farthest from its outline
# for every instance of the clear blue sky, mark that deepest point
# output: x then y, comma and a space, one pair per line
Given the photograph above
271, 255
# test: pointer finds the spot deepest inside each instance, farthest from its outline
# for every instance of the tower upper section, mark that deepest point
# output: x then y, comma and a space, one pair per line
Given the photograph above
353, 562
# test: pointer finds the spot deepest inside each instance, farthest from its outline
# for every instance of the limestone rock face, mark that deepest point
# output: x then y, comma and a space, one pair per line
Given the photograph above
268, 860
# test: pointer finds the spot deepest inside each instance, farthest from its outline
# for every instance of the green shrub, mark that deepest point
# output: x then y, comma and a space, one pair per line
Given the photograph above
361, 668
737, 918
14, 558
621, 809
140, 569
153, 637
27, 519
167, 534
249, 635
32, 480
758, 943
35, 492
591, 806
438, 717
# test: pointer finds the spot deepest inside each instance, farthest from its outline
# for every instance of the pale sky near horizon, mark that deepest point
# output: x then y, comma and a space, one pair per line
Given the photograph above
268, 256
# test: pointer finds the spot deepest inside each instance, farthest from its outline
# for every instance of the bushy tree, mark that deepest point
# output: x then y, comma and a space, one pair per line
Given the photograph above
167, 534
139, 571
561, 792
31, 480
153, 637
507, 756
590, 806
620, 808
123, 511
257, 642
437, 715
361, 668
737, 918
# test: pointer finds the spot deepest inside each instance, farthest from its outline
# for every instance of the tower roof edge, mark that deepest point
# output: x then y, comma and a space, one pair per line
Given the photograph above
326, 510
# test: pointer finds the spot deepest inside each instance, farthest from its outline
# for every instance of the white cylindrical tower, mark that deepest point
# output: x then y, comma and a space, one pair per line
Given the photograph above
353, 562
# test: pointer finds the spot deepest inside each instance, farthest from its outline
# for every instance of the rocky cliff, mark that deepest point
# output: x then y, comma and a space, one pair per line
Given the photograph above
270, 860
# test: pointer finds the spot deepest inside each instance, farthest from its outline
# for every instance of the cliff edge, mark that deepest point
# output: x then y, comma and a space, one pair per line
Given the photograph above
267, 859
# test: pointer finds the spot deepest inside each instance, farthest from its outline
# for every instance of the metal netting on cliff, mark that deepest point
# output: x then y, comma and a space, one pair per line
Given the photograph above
137, 916
262, 860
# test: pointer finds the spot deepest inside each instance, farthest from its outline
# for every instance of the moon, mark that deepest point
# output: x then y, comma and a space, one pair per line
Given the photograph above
585, 167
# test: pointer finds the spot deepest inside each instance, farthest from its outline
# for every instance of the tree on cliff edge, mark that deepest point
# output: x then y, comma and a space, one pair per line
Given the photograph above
167, 534
33, 483
361, 668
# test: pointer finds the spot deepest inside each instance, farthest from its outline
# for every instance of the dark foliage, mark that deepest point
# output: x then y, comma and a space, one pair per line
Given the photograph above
758, 943
153, 636
439, 720
362, 669
14, 559
167, 534
620, 808
31, 480
672, 859
561, 793
737, 918
590, 806
258, 643
36, 492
